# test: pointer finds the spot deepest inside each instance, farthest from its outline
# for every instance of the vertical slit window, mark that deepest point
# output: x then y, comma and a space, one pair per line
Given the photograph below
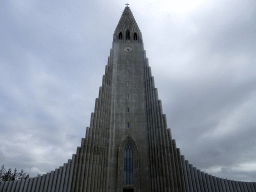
127, 35
128, 83
135, 36
128, 71
128, 96
128, 110
128, 164
120, 35
128, 125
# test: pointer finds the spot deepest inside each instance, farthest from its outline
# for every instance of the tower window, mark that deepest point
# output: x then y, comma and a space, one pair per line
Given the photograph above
128, 164
128, 110
128, 125
120, 36
127, 35
128, 83
128, 96
128, 71
135, 36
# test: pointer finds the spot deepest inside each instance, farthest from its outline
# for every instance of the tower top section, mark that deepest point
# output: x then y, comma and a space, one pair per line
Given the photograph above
127, 28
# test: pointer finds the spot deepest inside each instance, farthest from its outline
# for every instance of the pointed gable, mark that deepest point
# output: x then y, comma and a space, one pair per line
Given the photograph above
127, 22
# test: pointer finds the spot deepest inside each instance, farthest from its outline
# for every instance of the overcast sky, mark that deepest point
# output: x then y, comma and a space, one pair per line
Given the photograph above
202, 54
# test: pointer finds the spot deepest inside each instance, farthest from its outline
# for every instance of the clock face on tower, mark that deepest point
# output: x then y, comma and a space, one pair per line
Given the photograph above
127, 49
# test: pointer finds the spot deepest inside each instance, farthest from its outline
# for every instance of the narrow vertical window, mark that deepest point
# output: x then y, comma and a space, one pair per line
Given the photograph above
128, 164
120, 35
128, 71
135, 36
128, 83
128, 110
128, 125
128, 96
127, 35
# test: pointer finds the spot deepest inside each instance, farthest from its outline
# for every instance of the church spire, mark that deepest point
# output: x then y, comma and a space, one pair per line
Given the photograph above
127, 28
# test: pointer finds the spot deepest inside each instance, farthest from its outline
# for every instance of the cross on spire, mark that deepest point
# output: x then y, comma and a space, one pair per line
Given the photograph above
126, 4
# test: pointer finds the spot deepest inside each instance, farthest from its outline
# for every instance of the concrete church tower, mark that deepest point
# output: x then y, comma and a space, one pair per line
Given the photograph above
127, 147
128, 139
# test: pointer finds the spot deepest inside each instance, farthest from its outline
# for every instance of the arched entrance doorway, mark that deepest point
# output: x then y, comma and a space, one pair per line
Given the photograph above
128, 190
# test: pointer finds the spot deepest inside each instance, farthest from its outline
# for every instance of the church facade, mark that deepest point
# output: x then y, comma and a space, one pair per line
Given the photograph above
128, 147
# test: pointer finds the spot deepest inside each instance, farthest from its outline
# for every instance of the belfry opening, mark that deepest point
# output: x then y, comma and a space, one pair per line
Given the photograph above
120, 36
127, 35
135, 37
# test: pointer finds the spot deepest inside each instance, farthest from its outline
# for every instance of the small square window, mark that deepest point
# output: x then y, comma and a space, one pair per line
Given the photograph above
128, 96
128, 83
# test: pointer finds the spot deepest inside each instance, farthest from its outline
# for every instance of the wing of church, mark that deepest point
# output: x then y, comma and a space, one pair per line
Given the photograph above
128, 147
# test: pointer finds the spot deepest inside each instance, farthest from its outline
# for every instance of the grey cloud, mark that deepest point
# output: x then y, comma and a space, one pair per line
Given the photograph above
53, 55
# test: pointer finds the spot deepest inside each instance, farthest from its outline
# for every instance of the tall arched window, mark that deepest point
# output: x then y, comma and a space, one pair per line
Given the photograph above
135, 36
127, 35
128, 164
120, 35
